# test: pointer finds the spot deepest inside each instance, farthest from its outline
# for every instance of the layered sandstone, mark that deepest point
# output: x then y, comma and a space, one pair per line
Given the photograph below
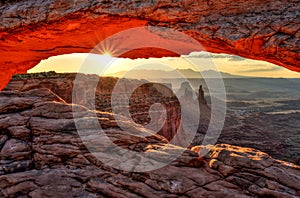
34, 30
245, 133
142, 107
96, 93
43, 155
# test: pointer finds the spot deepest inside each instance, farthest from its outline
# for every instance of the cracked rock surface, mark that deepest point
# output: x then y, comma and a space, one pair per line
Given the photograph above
43, 155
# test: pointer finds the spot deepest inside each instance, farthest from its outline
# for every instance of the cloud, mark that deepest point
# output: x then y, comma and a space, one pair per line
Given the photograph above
215, 56
253, 68
236, 58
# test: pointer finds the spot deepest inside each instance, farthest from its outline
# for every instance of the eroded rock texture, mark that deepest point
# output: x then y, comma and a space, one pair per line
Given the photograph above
94, 92
34, 30
43, 155
143, 102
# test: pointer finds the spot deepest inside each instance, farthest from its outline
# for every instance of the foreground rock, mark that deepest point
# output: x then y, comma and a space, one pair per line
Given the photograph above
43, 155
33, 30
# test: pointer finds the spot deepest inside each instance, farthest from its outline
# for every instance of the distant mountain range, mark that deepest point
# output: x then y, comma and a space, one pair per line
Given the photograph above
177, 73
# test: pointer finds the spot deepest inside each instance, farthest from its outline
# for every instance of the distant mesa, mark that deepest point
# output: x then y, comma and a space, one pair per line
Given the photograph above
186, 91
172, 74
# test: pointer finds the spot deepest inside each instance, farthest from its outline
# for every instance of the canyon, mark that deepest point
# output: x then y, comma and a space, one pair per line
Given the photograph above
40, 140
243, 127
96, 93
49, 132
43, 155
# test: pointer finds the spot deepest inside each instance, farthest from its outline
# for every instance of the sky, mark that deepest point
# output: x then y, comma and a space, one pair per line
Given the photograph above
199, 61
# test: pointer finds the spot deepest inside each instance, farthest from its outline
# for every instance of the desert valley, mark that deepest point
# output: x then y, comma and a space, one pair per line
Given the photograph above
200, 98
256, 154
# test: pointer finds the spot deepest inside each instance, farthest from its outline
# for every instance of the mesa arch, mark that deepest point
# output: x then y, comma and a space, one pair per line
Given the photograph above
34, 30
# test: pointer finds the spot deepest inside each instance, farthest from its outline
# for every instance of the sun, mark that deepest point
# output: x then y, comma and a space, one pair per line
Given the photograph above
107, 54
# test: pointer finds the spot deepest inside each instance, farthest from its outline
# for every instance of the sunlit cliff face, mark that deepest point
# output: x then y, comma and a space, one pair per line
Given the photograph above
254, 29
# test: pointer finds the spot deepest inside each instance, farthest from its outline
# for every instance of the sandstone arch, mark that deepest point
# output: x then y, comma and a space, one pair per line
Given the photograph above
34, 30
